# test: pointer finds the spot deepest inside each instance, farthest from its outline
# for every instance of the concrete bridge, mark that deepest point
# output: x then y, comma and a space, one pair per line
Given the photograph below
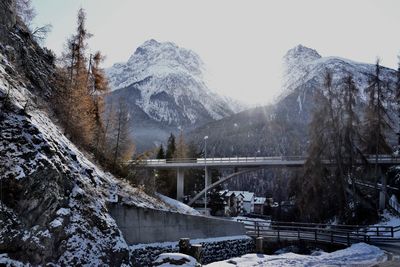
247, 164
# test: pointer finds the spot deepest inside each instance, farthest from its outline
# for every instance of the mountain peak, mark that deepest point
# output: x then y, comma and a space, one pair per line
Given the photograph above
296, 62
151, 42
301, 54
166, 90
166, 55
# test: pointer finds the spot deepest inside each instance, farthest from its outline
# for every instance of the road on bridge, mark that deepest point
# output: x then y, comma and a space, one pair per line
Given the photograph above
289, 161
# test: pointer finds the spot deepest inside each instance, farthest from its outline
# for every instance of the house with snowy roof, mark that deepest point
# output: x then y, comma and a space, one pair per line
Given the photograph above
233, 202
259, 203
248, 201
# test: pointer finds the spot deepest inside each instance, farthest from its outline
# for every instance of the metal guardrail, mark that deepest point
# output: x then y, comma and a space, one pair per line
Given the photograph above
324, 233
220, 160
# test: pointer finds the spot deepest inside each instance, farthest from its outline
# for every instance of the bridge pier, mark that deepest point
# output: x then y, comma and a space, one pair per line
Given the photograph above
180, 181
209, 177
382, 193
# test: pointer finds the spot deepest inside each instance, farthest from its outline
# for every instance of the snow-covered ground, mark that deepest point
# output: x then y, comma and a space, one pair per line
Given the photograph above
6, 261
240, 218
390, 220
360, 254
77, 213
183, 208
250, 221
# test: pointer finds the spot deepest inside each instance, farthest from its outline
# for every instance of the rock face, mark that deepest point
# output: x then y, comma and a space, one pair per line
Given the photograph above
53, 199
7, 13
165, 90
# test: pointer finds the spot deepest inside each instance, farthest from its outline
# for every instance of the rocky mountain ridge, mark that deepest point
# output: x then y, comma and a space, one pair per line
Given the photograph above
304, 67
165, 89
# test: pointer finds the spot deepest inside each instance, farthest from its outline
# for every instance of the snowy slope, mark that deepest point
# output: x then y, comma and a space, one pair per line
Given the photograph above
178, 205
358, 255
55, 201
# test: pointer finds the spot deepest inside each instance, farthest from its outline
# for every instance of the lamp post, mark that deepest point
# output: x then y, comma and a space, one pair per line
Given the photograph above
205, 174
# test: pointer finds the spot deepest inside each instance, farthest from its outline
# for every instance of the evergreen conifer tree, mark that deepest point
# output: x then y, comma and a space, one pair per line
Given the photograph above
160, 153
171, 147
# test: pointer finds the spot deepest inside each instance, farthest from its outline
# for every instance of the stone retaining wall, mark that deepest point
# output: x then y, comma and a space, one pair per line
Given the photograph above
213, 249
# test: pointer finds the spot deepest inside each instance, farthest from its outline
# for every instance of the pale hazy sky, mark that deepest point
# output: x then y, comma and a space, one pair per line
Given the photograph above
241, 42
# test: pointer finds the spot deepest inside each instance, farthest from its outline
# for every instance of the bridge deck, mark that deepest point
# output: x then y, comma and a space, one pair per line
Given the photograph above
249, 162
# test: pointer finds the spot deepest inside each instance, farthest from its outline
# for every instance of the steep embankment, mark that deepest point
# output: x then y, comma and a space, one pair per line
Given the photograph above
53, 206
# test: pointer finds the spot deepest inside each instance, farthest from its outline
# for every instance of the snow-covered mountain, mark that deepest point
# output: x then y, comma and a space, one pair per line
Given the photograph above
282, 128
165, 87
305, 68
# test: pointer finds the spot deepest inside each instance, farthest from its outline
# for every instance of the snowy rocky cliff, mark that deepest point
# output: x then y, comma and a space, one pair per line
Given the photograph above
53, 201
165, 89
304, 68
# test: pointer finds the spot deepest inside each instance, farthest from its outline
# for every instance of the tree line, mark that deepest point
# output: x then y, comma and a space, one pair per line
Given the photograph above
345, 132
79, 103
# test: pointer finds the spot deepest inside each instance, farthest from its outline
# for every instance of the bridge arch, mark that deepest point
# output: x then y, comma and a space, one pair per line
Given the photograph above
220, 181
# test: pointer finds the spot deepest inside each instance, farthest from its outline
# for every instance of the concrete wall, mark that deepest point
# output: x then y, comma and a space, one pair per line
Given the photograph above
140, 225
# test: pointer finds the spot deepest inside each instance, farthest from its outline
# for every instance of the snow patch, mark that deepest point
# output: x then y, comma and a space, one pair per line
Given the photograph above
360, 255
56, 223
175, 259
183, 208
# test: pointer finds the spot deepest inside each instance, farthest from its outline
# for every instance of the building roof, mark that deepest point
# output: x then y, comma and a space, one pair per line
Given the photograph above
259, 200
247, 196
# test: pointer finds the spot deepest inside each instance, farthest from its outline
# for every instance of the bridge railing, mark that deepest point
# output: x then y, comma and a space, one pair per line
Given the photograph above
378, 230
219, 160
324, 235
371, 158
343, 234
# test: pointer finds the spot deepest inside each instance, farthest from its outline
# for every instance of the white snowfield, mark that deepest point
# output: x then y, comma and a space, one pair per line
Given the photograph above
358, 255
